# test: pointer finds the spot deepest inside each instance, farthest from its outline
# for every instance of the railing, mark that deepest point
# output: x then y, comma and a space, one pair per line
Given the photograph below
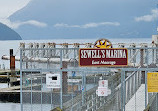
93, 102
138, 58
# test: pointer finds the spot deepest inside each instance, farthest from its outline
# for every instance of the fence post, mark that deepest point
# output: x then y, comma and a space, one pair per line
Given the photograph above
147, 54
22, 45
155, 44
77, 46
132, 53
61, 89
21, 80
65, 50
124, 83
145, 89
83, 88
157, 100
122, 91
41, 90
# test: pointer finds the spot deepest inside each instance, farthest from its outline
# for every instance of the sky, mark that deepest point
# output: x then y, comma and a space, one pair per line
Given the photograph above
90, 18
8, 7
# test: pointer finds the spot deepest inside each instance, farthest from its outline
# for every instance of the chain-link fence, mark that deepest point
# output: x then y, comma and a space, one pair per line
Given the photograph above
153, 102
79, 84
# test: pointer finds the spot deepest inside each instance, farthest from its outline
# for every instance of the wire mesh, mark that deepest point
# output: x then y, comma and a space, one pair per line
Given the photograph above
79, 85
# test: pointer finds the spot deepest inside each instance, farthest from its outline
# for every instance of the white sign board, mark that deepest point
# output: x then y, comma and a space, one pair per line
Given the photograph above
109, 91
53, 80
103, 83
103, 88
102, 91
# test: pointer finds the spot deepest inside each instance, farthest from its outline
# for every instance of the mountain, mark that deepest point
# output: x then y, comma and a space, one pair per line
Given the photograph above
85, 19
7, 33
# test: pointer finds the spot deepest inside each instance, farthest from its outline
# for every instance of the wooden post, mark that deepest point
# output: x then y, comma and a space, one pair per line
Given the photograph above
12, 60
64, 78
12, 66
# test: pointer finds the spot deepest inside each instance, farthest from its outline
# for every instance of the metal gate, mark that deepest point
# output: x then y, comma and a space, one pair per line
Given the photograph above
78, 85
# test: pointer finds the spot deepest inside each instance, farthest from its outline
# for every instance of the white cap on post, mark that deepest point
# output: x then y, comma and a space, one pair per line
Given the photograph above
155, 39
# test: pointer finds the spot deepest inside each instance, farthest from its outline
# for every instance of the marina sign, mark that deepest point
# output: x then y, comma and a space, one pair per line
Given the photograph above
103, 54
103, 57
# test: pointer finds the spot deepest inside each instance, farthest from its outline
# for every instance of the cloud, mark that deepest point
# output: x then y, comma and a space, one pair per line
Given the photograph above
128, 33
89, 25
148, 18
17, 24
8, 7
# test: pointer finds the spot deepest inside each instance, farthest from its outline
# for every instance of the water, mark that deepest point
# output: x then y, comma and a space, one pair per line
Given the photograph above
6, 45
10, 106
